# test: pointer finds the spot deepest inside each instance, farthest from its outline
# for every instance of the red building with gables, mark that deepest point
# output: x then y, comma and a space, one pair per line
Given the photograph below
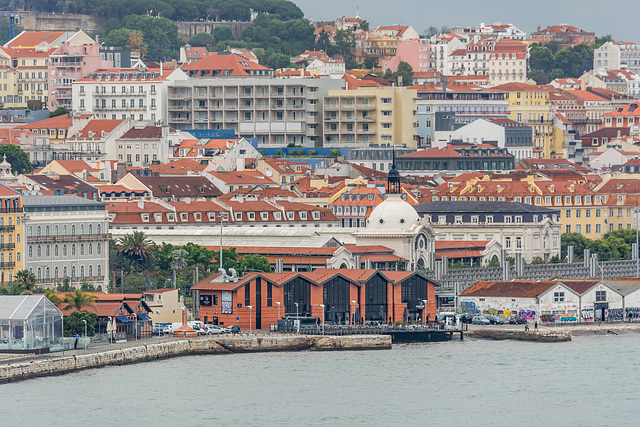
258, 300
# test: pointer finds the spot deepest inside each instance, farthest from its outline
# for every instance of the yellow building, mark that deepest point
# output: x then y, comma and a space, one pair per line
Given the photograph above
529, 104
164, 304
378, 115
582, 210
11, 233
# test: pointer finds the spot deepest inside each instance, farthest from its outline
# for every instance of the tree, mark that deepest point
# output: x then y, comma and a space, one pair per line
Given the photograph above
135, 43
77, 299
255, 262
577, 240
323, 43
4, 30
52, 296
429, 32
404, 74
160, 35
539, 76
19, 160
178, 262
87, 287
135, 246
369, 62
223, 33
74, 323
118, 37
26, 280
229, 258
202, 40
10, 289
59, 112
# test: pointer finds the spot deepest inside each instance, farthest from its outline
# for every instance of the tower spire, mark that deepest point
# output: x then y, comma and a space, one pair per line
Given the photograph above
393, 177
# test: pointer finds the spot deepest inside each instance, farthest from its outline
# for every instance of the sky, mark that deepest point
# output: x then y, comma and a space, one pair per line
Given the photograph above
620, 19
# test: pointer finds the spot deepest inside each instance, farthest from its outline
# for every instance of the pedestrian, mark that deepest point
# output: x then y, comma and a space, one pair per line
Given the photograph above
536, 325
75, 344
526, 327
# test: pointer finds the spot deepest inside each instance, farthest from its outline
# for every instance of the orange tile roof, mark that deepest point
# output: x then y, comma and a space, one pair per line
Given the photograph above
58, 122
95, 127
231, 63
34, 38
178, 167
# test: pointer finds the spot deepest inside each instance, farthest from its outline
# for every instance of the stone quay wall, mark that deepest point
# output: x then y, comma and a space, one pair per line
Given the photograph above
43, 366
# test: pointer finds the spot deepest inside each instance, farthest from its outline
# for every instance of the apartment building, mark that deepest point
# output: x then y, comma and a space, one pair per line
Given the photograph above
617, 55
125, 93
378, 115
503, 60
415, 52
275, 111
11, 231
565, 35
66, 238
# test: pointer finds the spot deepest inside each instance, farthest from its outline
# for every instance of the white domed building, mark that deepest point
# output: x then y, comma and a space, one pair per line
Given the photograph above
395, 224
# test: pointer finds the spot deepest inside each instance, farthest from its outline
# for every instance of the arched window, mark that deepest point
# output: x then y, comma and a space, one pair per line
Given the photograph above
73, 250
47, 251
99, 229
39, 273
90, 229
39, 251
39, 231
47, 231
73, 272
90, 249
81, 248
55, 273
98, 248
55, 250
82, 271
428, 122
73, 230
99, 270
30, 251
91, 271
64, 271
55, 230
47, 273
81, 228
64, 230
64, 250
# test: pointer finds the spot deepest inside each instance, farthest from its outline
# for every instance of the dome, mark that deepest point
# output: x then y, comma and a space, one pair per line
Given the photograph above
392, 214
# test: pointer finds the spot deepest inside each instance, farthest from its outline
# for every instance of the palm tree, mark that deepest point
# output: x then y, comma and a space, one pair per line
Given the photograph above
26, 280
78, 299
52, 296
178, 262
135, 246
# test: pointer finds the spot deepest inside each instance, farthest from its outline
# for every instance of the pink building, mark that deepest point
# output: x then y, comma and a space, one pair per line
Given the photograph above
415, 52
68, 63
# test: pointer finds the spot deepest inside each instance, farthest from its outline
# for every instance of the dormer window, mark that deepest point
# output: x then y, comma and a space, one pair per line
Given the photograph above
264, 216
145, 217
252, 216
238, 216
157, 217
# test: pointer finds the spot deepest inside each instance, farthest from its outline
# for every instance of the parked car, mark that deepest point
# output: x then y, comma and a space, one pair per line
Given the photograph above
214, 329
233, 329
517, 320
158, 329
480, 320
199, 330
466, 318
495, 320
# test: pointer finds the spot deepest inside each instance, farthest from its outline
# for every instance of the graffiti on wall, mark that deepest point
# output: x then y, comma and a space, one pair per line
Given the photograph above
568, 318
527, 314
615, 314
468, 307
632, 313
587, 314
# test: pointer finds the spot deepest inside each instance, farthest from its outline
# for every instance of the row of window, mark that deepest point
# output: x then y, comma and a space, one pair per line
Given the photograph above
56, 229
56, 251
65, 272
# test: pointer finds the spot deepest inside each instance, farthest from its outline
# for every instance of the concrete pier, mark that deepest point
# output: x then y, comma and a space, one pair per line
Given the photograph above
41, 366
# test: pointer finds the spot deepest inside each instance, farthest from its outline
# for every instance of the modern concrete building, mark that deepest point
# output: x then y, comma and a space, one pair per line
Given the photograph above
379, 115
275, 111
67, 237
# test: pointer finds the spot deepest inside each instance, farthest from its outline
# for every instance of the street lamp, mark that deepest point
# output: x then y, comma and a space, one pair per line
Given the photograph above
322, 305
85, 334
297, 320
111, 331
278, 304
353, 303
135, 326
250, 309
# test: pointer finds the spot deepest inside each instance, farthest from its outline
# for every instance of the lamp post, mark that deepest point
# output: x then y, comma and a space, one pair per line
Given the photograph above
278, 304
322, 306
353, 316
297, 320
111, 330
135, 326
85, 334
250, 310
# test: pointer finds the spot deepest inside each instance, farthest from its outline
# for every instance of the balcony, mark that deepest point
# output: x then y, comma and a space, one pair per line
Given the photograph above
7, 227
68, 238
7, 264
72, 280
7, 246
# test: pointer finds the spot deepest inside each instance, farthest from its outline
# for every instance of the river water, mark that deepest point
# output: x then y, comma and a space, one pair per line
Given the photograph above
591, 381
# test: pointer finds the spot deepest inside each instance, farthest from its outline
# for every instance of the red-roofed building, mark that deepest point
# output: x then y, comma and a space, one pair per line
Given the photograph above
565, 35
172, 188
179, 167
226, 64
96, 141
503, 60
348, 297
233, 180
624, 117
141, 145
326, 66
189, 54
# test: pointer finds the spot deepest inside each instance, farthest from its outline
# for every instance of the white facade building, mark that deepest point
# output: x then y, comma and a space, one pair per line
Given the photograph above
616, 56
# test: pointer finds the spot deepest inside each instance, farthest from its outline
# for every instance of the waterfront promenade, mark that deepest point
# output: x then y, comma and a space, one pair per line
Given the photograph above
150, 350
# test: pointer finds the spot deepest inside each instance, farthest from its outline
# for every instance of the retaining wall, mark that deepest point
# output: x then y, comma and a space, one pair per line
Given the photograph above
40, 367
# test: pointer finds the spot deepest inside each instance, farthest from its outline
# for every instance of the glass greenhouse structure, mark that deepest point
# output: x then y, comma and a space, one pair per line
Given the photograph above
29, 322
